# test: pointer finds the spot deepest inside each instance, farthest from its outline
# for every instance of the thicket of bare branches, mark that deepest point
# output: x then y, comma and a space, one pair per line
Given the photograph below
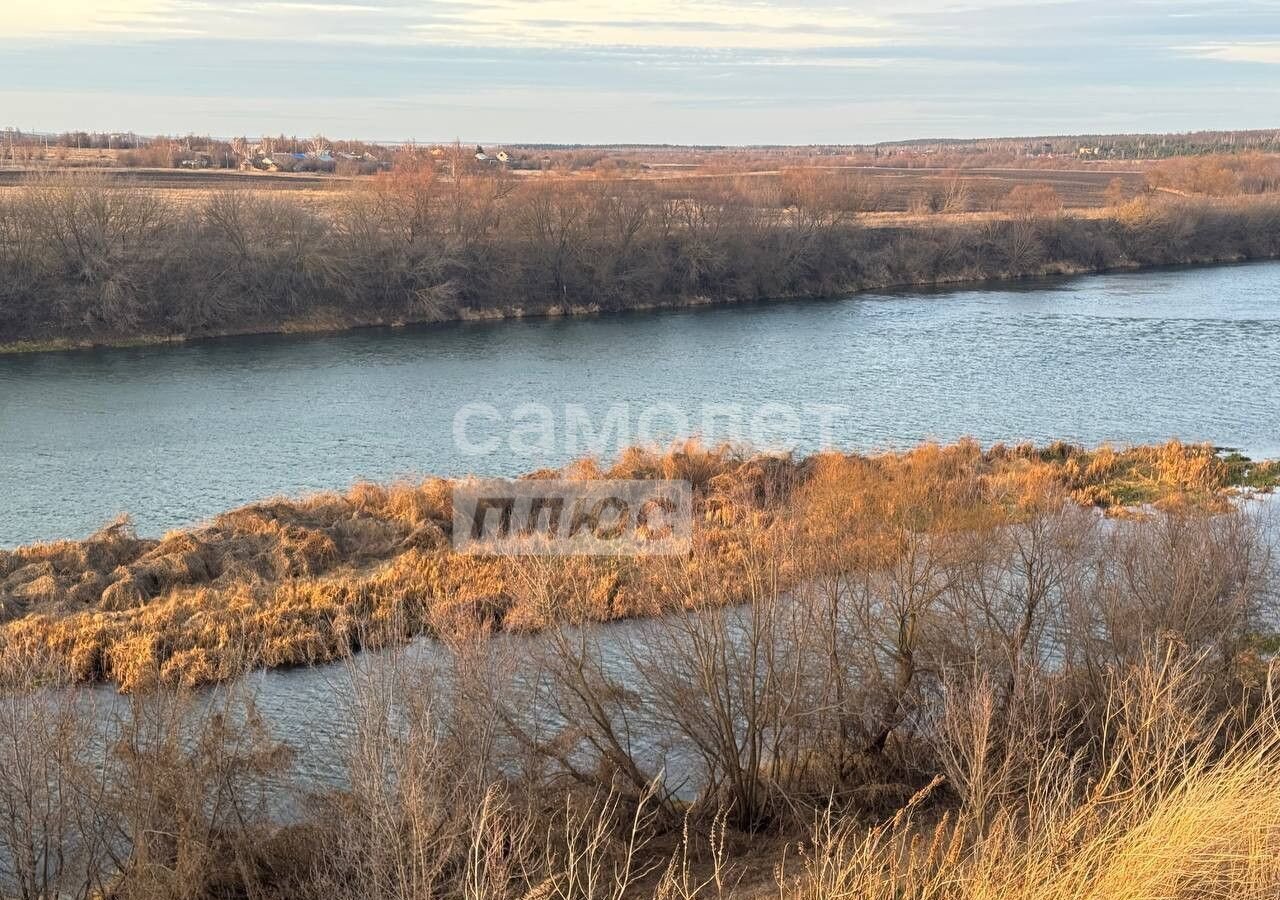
1219, 175
88, 259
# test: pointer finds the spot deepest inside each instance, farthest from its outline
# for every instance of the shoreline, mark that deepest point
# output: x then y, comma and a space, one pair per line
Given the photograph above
319, 325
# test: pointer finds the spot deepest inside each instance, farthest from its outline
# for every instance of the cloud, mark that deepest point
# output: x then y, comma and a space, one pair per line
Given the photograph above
692, 24
44, 18
656, 23
1266, 52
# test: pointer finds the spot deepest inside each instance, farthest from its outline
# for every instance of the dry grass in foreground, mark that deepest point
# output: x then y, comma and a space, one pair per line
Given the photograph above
1153, 784
300, 582
1169, 821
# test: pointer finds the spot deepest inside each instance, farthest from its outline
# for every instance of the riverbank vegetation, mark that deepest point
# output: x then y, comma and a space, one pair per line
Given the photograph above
86, 260
937, 673
299, 582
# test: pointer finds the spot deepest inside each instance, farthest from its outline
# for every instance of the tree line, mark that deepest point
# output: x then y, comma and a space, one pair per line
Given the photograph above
83, 259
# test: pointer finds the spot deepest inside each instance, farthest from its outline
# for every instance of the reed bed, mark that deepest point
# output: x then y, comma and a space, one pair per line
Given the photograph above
301, 582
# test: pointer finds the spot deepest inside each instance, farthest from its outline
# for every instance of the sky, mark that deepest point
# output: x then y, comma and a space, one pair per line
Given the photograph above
646, 71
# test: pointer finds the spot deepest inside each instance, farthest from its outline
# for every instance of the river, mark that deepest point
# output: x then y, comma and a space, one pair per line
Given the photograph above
175, 434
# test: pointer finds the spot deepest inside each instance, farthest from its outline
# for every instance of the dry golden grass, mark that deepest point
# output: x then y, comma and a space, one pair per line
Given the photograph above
301, 582
1214, 833
1175, 808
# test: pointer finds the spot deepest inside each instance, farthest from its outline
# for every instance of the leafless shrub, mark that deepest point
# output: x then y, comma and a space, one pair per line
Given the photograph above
189, 795
53, 796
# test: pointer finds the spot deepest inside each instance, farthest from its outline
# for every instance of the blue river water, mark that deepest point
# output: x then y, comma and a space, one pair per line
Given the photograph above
172, 435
